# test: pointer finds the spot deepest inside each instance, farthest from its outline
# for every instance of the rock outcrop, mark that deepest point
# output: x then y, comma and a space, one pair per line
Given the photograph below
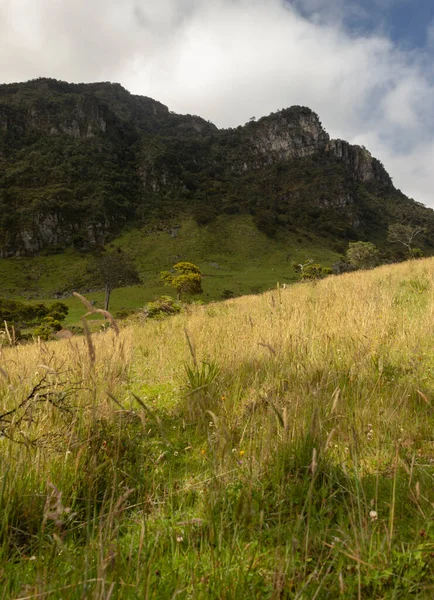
293, 133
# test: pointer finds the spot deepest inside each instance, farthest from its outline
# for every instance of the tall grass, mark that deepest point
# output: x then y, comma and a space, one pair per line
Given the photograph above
274, 446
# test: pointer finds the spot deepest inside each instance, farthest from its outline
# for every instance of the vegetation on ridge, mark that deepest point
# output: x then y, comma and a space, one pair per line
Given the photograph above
273, 446
80, 162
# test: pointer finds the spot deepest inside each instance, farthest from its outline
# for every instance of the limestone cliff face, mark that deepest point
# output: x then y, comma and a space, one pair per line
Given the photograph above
79, 117
297, 132
293, 133
52, 231
47, 106
365, 167
289, 134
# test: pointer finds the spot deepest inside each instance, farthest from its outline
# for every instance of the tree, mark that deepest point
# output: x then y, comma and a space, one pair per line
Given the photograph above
362, 255
405, 235
114, 269
187, 279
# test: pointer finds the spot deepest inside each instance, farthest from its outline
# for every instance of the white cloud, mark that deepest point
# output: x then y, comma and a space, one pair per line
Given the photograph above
228, 60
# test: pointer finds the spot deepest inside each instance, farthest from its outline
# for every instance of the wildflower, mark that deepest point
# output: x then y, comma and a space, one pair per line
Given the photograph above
242, 452
223, 398
175, 453
179, 539
203, 452
373, 515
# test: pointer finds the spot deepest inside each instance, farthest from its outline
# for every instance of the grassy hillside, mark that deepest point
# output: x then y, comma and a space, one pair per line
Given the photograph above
270, 446
231, 252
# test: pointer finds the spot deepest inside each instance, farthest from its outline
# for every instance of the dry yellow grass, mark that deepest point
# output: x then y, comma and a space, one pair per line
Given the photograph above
368, 332
346, 363
356, 325
356, 314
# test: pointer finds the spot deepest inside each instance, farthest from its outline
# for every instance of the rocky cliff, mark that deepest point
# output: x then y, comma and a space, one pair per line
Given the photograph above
78, 161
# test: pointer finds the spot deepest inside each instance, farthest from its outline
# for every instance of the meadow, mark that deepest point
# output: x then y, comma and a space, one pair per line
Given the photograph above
231, 252
270, 446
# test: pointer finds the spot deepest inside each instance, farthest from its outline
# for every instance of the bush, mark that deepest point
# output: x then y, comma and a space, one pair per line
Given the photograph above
417, 253
362, 255
311, 271
162, 307
47, 319
227, 294
123, 313
47, 328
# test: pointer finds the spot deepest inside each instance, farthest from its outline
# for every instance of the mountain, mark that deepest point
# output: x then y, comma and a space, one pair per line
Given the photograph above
78, 162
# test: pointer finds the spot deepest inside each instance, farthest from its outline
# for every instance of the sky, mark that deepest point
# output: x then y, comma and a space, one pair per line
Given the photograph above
365, 66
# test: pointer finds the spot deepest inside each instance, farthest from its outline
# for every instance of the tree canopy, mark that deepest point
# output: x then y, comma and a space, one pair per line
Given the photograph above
362, 255
18, 315
186, 279
114, 269
405, 235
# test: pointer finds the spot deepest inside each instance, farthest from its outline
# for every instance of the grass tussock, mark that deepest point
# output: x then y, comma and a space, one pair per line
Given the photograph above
274, 446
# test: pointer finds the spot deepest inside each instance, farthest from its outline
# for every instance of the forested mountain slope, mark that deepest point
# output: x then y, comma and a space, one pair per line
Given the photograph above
80, 161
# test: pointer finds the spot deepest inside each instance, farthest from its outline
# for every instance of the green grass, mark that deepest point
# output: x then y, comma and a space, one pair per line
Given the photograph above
271, 446
231, 252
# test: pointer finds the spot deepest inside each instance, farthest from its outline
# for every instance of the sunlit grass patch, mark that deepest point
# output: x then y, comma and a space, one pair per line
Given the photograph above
271, 446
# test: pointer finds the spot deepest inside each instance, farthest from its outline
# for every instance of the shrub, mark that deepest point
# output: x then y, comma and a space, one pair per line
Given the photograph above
162, 307
362, 255
47, 328
417, 253
311, 270
123, 313
227, 294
